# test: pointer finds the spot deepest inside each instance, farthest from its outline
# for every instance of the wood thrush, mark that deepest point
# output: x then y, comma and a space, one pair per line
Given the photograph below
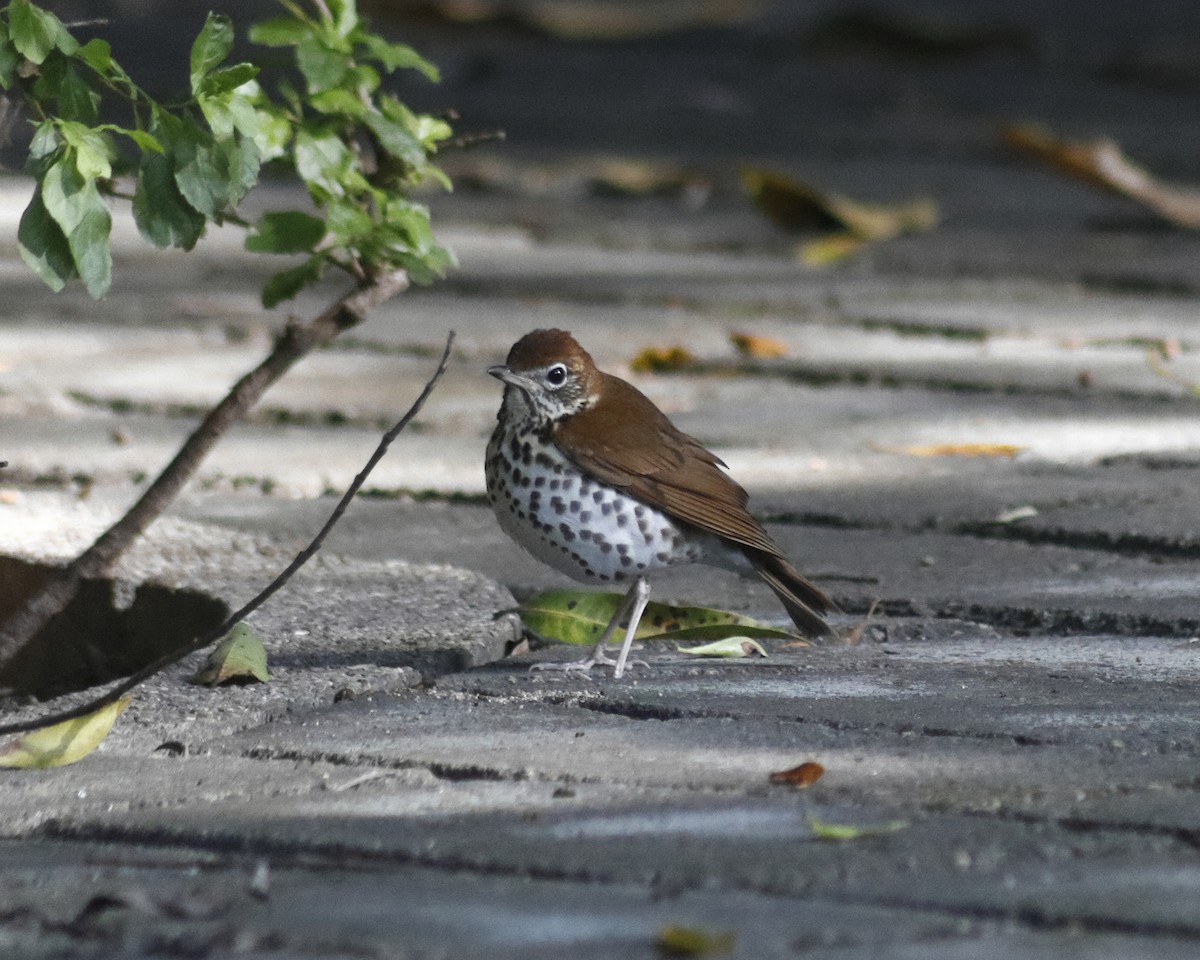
589, 476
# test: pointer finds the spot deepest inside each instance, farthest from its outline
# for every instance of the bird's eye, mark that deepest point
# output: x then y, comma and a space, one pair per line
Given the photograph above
556, 376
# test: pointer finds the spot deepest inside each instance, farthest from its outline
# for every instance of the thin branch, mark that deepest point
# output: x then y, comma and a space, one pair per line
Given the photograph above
116, 692
296, 342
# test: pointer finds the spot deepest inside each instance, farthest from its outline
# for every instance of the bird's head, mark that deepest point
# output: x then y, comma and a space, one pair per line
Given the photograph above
551, 373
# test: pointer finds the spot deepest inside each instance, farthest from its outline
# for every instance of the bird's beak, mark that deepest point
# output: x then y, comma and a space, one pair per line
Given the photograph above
501, 372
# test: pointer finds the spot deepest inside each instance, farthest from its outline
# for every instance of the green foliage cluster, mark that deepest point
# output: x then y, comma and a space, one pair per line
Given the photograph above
357, 148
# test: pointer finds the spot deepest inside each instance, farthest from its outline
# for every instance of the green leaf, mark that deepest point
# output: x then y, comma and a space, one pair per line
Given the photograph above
227, 80
345, 16
146, 142
97, 54
9, 58
322, 67
288, 231
325, 163
91, 148
35, 32
62, 743
211, 46
734, 648
398, 56
338, 100
43, 149
162, 214
67, 194
287, 283
395, 138
823, 830
347, 221
213, 176
43, 245
74, 96
580, 616
240, 656
90, 248
280, 32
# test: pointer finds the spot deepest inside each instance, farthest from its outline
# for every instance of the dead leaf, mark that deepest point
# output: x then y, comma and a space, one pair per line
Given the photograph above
662, 360
1015, 514
239, 657
824, 830
734, 648
62, 743
799, 777
849, 224
1156, 362
753, 346
1102, 164
1007, 450
852, 636
677, 940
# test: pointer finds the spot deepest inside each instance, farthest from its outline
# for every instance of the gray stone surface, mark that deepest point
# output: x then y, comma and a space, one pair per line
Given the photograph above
1022, 700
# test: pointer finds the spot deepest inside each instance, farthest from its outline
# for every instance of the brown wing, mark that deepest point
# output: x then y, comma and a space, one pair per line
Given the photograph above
626, 441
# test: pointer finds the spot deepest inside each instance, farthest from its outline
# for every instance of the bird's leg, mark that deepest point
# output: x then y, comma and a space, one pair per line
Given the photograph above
637, 598
633, 603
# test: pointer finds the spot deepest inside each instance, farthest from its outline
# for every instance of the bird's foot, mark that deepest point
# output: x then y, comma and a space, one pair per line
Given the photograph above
586, 664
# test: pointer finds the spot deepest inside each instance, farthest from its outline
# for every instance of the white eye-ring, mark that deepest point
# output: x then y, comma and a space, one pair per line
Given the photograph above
556, 376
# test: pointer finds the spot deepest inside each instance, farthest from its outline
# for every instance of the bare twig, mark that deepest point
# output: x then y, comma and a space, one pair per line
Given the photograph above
295, 343
119, 690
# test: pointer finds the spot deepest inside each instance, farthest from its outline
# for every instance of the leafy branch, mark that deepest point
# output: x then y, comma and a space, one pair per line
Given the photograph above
356, 148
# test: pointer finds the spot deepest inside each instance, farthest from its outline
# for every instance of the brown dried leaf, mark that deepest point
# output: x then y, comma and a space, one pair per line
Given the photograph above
1102, 164
852, 636
799, 777
1008, 450
758, 348
797, 206
662, 360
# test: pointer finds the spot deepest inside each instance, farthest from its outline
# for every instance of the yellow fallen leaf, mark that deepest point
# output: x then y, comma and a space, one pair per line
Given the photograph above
62, 743
1008, 450
240, 656
662, 360
829, 249
677, 940
847, 224
735, 648
1102, 164
758, 348
824, 830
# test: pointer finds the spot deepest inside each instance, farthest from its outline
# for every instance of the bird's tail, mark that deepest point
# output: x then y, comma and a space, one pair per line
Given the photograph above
804, 602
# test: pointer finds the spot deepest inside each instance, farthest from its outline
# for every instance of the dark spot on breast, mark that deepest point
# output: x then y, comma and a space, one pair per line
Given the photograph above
606, 548
606, 509
585, 534
539, 481
567, 533
639, 511
663, 556
568, 483
559, 506
585, 516
543, 461
625, 559
575, 505
597, 496
526, 453
622, 519
605, 576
